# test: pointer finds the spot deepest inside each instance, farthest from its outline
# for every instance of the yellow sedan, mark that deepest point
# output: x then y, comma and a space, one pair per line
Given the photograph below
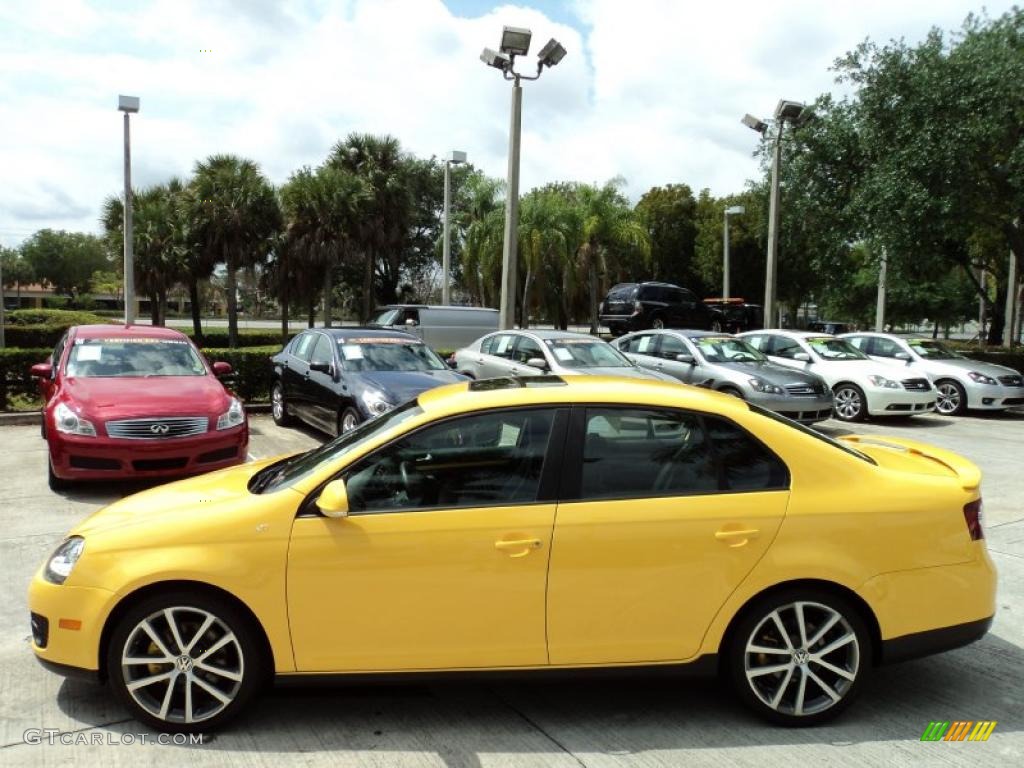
530, 524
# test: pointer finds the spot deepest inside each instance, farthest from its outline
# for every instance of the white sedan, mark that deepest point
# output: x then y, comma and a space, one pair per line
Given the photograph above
861, 386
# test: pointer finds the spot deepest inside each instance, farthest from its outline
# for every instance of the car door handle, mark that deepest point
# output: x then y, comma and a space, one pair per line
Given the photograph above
525, 545
737, 538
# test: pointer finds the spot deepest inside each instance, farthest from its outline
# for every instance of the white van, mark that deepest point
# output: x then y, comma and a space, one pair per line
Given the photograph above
440, 327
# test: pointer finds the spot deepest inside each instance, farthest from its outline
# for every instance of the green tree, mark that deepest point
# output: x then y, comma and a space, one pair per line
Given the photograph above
236, 215
16, 269
669, 214
65, 260
747, 243
480, 235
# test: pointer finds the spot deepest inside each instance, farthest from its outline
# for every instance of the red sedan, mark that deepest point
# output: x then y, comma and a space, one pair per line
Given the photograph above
134, 401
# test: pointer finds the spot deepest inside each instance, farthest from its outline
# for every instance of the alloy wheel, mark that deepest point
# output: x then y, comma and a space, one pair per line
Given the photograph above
848, 403
349, 420
948, 400
277, 403
182, 664
802, 659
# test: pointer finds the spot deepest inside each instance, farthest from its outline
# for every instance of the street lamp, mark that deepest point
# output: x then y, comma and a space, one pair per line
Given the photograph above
796, 113
128, 104
515, 41
454, 157
734, 210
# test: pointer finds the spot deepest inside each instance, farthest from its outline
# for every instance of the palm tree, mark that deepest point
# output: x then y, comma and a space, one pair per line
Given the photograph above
545, 243
480, 228
384, 224
322, 212
236, 216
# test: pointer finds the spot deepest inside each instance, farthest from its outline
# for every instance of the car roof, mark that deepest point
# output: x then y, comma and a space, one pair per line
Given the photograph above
552, 389
122, 331
432, 306
790, 334
542, 333
364, 333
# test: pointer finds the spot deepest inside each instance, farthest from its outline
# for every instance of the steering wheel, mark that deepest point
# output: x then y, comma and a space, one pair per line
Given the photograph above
412, 480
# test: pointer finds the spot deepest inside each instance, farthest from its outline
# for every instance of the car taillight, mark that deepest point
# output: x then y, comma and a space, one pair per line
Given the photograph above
972, 516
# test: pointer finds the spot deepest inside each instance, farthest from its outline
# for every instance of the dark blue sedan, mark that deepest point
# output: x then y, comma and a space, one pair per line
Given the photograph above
336, 378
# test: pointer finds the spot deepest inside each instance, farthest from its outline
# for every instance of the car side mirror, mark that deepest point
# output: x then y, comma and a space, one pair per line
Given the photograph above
221, 368
42, 370
684, 357
322, 366
902, 356
803, 357
410, 322
333, 500
538, 362
452, 362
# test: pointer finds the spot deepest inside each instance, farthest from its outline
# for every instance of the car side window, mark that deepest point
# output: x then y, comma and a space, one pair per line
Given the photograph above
58, 351
321, 352
760, 343
860, 342
637, 453
783, 347
884, 347
501, 345
486, 459
526, 349
670, 347
687, 296
641, 344
303, 346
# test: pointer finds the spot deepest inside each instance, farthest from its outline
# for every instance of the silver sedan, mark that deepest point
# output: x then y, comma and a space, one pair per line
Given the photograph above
537, 352
730, 365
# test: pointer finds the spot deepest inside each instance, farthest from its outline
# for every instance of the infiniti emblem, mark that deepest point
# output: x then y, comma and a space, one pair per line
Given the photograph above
159, 429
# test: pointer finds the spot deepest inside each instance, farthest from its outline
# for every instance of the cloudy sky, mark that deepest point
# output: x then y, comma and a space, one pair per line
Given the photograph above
651, 90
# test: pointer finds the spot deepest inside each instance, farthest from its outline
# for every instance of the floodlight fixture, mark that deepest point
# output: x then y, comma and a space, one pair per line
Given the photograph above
735, 210
515, 41
788, 110
456, 157
552, 53
492, 58
128, 103
754, 123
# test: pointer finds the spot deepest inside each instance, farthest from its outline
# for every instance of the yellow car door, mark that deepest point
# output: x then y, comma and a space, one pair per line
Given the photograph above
442, 561
664, 515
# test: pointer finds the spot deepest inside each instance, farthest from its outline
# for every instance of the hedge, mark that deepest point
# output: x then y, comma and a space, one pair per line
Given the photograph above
250, 378
51, 317
48, 334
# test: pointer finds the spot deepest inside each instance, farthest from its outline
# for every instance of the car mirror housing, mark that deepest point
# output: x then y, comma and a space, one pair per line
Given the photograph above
322, 366
42, 370
683, 357
803, 357
221, 368
538, 362
902, 356
333, 500
411, 323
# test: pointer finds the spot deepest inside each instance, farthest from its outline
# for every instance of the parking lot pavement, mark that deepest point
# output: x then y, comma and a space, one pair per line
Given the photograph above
601, 724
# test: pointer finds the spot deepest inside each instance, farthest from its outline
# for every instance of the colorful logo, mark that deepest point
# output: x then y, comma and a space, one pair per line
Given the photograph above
958, 730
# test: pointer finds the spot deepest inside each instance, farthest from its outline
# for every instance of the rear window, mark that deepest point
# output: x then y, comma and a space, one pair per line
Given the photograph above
626, 292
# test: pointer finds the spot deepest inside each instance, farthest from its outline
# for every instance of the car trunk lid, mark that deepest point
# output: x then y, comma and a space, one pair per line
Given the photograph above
920, 458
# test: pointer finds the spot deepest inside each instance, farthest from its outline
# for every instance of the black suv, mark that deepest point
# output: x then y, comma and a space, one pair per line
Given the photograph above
638, 306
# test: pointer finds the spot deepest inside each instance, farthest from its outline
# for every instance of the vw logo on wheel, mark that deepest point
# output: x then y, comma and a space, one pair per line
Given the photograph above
159, 429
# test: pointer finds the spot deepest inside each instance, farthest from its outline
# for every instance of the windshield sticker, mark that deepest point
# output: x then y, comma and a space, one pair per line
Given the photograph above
509, 435
562, 342
129, 340
88, 353
562, 353
918, 342
703, 340
644, 344
821, 339
352, 351
376, 340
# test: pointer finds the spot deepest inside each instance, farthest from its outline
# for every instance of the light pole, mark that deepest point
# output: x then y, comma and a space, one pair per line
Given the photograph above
128, 104
795, 113
454, 157
734, 210
883, 270
2, 299
515, 41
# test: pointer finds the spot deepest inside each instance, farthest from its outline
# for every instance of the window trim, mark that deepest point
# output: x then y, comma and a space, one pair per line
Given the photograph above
570, 489
547, 488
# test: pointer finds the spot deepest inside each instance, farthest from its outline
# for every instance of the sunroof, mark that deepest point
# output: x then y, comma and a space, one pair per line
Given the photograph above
514, 382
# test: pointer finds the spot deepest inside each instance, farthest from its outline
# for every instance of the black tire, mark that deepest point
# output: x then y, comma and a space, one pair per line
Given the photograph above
849, 402
279, 406
55, 483
658, 323
244, 657
952, 398
467, 374
348, 420
775, 696
42, 425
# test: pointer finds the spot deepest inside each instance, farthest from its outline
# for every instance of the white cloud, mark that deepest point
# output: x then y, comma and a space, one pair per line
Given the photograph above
651, 89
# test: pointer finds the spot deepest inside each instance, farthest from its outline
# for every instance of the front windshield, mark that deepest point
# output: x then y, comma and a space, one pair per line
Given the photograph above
830, 348
586, 353
384, 317
933, 350
387, 354
292, 470
725, 349
127, 357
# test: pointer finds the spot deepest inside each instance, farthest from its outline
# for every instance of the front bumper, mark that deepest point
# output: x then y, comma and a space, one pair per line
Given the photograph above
992, 397
73, 619
76, 457
806, 410
883, 401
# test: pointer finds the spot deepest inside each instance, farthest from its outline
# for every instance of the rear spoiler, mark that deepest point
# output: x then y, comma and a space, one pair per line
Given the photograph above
967, 471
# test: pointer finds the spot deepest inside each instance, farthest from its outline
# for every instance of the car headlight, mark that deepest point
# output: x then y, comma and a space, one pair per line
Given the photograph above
233, 416
766, 386
375, 402
71, 423
63, 559
881, 381
981, 378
